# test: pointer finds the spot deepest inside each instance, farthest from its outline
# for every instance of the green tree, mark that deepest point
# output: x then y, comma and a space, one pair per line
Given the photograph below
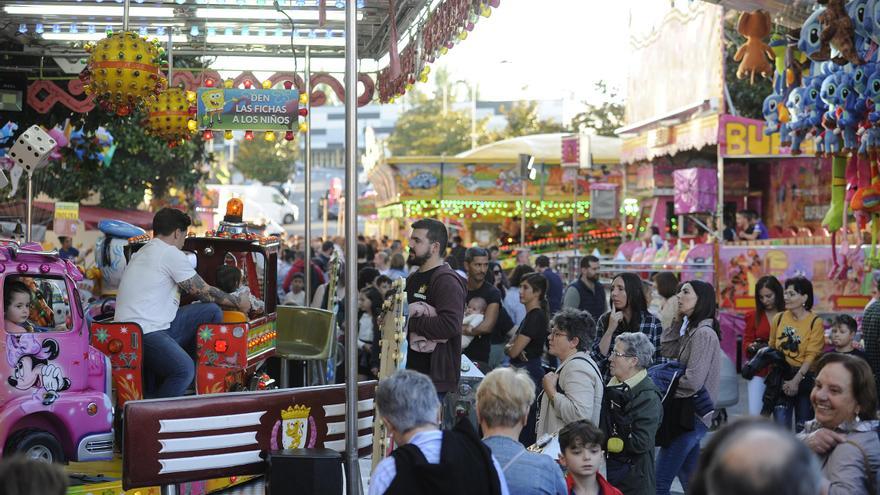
747, 98
266, 161
522, 120
139, 163
604, 116
425, 129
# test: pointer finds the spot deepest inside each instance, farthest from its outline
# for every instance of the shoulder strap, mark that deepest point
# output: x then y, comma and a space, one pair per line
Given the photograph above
512, 460
577, 358
776, 320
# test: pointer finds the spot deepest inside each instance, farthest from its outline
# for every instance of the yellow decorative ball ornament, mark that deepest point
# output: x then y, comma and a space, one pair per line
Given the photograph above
267, 84
170, 115
123, 72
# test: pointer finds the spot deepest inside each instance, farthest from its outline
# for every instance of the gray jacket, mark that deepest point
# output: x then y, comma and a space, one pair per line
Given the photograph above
844, 466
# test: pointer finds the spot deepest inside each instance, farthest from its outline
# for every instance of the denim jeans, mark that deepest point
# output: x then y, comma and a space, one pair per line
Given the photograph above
800, 405
680, 458
168, 353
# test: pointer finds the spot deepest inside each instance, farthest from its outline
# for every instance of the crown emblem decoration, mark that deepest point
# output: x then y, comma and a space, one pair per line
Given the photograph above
296, 412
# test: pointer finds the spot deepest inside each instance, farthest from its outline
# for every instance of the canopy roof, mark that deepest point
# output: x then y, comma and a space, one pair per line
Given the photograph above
208, 27
546, 148
790, 13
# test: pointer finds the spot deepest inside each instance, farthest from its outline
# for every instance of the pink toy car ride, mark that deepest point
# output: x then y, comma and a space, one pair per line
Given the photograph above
54, 387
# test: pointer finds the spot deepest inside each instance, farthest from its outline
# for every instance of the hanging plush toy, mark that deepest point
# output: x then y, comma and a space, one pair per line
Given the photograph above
753, 55
860, 15
828, 94
833, 220
776, 116
810, 41
837, 29
813, 110
850, 111
797, 127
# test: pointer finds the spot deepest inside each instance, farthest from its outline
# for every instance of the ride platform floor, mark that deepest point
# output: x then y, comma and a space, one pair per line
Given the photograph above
105, 478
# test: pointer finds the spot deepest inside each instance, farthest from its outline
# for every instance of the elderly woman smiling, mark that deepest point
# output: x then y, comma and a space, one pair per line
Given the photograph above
503, 400
631, 412
844, 434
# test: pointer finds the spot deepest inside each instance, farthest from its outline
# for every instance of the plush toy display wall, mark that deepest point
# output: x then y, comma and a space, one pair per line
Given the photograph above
834, 102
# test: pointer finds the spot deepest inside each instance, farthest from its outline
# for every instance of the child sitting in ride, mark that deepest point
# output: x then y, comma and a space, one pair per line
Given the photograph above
229, 279
17, 307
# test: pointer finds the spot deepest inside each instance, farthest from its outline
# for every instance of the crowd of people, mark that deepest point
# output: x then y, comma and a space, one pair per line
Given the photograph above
622, 380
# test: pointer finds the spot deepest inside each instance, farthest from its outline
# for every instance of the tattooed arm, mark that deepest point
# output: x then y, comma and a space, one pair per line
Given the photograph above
197, 288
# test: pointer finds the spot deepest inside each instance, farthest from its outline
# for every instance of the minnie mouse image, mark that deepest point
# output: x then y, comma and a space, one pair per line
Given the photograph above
29, 359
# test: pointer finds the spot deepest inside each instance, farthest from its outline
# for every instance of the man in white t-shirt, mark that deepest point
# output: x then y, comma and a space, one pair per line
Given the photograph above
149, 295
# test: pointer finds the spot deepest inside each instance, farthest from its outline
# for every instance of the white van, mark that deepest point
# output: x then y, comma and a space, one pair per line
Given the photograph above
265, 202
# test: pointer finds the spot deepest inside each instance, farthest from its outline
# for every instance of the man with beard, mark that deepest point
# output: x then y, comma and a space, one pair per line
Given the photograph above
476, 263
437, 285
586, 293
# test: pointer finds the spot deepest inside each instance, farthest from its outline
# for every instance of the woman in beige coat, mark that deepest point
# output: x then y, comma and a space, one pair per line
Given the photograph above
575, 390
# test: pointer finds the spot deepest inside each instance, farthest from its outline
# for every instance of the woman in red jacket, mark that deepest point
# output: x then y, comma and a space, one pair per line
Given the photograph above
768, 303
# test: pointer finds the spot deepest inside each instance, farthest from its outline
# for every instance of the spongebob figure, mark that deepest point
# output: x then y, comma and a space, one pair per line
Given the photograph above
214, 101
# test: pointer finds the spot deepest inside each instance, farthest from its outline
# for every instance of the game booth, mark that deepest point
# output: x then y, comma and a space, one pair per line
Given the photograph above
691, 163
408, 188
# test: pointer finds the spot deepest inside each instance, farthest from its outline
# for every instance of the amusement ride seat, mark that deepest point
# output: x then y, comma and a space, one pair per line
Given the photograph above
303, 334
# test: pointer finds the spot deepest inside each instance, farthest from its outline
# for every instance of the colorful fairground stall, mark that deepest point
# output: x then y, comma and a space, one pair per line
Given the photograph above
481, 193
691, 163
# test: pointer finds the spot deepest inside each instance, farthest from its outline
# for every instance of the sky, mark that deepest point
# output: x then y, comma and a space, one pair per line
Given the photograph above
527, 49
548, 49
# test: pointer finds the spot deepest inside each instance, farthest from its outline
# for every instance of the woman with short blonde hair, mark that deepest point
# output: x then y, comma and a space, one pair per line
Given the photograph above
503, 400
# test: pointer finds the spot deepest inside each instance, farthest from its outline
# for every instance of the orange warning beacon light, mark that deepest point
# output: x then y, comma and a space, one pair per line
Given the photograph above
234, 210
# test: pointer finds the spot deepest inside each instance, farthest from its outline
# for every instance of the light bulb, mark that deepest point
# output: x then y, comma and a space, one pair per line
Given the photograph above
38, 29
22, 28
194, 31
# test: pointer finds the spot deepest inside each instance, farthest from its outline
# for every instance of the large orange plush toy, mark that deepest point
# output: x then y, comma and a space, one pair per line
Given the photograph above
754, 55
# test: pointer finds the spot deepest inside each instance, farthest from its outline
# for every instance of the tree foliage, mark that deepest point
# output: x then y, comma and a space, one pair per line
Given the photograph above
523, 120
140, 163
266, 161
604, 116
425, 129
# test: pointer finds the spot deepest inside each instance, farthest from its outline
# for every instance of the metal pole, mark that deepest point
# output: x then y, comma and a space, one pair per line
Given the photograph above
168, 489
170, 57
125, 6
474, 116
307, 206
352, 475
522, 219
574, 215
720, 211
30, 207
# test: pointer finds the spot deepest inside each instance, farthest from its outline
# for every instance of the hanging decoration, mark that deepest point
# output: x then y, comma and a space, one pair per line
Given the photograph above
170, 115
445, 27
123, 72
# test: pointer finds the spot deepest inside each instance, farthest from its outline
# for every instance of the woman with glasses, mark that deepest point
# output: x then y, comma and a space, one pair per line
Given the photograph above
631, 412
800, 335
629, 313
575, 390
693, 342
